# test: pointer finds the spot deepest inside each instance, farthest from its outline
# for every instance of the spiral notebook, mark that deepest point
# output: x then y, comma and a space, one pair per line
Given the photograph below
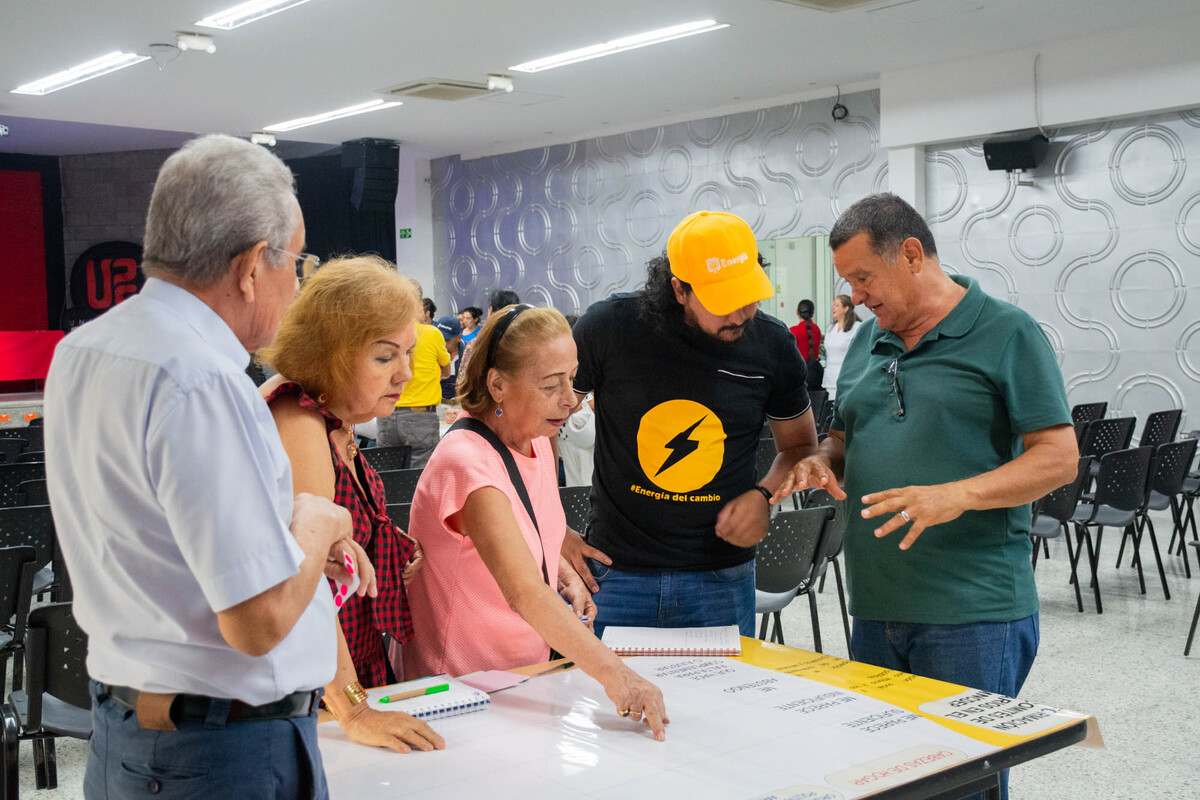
460, 699
716, 641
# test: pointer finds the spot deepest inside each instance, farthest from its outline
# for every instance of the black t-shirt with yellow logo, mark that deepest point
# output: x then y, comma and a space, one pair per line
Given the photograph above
678, 418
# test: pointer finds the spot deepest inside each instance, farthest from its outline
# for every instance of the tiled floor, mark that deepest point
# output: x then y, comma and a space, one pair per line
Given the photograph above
1126, 667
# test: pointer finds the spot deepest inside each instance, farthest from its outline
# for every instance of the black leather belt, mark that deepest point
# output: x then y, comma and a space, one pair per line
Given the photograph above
416, 408
196, 707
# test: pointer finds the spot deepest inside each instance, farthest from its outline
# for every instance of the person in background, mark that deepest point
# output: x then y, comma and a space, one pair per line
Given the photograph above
429, 311
341, 353
677, 506
952, 419
492, 593
198, 577
502, 298
577, 443
469, 318
451, 330
837, 340
414, 421
576, 440
808, 341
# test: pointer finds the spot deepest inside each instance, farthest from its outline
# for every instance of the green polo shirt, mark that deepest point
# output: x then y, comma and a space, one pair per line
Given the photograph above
972, 386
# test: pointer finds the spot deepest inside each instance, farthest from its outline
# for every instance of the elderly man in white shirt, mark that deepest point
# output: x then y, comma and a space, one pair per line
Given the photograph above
197, 578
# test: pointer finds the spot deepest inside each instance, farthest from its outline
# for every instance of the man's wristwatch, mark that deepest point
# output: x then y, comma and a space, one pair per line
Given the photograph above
764, 491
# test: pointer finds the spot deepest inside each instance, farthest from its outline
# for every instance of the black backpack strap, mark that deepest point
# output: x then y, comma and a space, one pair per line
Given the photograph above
488, 435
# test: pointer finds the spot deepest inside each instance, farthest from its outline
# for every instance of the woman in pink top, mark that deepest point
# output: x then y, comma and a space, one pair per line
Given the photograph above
493, 588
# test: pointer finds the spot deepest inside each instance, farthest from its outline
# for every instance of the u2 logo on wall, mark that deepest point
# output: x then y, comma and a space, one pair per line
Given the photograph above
105, 275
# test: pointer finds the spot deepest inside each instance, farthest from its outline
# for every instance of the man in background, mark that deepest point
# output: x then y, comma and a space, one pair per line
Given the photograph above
415, 421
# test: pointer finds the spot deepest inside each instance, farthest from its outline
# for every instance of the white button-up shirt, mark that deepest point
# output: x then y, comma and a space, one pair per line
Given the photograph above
172, 497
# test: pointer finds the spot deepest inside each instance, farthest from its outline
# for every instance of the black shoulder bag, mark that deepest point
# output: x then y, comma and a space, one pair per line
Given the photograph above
514, 475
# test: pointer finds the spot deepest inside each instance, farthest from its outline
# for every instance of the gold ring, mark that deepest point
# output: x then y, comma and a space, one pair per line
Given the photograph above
624, 712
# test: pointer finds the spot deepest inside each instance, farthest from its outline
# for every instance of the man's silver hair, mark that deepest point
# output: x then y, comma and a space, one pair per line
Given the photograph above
215, 197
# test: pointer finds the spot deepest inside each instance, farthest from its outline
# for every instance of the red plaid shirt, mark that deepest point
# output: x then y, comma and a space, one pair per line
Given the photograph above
365, 619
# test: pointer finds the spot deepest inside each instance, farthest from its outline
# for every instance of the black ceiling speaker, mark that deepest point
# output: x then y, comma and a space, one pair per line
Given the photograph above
1016, 151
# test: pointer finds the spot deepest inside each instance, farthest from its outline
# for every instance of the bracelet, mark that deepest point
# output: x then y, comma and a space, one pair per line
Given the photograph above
766, 493
354, 693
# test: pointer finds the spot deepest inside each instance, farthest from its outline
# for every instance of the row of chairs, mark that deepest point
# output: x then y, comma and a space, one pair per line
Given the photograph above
1129, 484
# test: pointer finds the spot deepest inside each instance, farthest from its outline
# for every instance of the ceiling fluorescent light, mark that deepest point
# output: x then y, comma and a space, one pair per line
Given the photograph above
245, 13
621, 45
317, 119
110, 62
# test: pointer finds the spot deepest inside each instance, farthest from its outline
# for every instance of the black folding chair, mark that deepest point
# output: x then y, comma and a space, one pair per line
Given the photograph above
1052, 516
399, 512
787, 565
764, 457
1106, 436
577, 505
31, 457
10, 449
33, 493
388, 458
1187, 509
56, 701
835, 537
17, 566
1160, 428
1121, 488
31, 436
11, 478
32, 526
1167, 485
1088, 412
399, 485
1187, 648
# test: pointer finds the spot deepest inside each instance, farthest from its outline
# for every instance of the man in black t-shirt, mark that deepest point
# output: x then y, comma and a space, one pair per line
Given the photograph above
684, 374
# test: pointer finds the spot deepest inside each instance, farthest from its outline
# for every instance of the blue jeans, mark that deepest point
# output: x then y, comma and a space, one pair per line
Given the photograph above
252, 760
677, 599
993, 656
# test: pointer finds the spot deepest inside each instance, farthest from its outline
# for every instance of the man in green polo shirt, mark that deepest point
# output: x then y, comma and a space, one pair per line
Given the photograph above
951, 419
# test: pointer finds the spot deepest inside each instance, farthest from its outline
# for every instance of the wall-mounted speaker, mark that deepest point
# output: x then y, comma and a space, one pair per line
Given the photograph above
1019, 151
376, 165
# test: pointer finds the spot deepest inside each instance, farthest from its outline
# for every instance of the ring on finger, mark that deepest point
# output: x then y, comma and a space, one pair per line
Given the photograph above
624, 712
904, 515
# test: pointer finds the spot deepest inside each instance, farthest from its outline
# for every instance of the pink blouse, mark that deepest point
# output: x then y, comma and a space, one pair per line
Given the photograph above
462, 622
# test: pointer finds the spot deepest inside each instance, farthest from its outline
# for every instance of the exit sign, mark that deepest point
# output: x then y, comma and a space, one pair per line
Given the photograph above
405, 233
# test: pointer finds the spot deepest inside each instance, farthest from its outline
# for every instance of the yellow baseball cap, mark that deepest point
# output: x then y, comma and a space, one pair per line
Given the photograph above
716, 253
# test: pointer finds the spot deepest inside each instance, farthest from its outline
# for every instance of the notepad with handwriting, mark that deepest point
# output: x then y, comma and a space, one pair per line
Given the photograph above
460, 699
716, 641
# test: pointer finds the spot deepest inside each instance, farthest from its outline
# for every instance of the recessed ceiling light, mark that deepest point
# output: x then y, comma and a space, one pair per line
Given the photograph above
317, 119
245, 13
109, 62
621, 45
